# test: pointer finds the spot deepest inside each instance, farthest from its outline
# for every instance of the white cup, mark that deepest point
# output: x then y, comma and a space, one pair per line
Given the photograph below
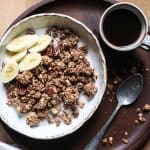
143, 40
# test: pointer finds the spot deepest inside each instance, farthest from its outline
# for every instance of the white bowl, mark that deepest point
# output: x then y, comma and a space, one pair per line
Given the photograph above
39, 22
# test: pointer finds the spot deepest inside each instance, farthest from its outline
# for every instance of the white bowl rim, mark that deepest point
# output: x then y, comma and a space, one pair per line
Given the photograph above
102, 58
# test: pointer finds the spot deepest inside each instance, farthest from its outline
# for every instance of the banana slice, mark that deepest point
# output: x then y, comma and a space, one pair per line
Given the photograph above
9, 72
22, 43
42, 43
15, 56
30, 61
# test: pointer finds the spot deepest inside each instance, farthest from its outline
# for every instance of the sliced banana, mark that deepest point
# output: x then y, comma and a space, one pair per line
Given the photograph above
30, 61
9, 72
15, 56
22, 43
42, 43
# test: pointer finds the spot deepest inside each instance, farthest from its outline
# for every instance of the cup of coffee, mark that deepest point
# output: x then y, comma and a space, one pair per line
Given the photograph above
124, 27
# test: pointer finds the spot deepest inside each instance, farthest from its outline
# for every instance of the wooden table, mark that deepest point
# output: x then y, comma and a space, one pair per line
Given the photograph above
10, 9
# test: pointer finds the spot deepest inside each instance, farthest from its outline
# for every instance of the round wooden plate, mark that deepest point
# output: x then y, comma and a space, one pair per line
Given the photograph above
122, 64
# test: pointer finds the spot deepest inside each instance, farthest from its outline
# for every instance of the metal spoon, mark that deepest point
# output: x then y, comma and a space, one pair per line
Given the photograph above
127, 93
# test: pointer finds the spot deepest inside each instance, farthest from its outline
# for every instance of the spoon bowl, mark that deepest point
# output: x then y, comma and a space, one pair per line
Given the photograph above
129, 90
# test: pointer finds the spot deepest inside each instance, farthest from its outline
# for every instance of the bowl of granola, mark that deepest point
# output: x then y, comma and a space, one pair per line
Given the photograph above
53, 75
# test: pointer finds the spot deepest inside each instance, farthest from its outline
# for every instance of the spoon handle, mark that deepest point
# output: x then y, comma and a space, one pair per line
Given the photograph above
92, 145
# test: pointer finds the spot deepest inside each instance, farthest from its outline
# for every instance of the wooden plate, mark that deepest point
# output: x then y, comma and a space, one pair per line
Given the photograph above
122, 64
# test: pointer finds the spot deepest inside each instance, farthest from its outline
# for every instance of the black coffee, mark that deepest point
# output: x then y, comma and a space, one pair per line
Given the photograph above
121, 27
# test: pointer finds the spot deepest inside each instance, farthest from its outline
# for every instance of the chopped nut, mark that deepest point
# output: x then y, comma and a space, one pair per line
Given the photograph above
54, 111
125, 141
146, 107
51, 90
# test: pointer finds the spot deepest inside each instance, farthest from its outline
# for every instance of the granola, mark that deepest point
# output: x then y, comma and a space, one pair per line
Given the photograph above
51, 90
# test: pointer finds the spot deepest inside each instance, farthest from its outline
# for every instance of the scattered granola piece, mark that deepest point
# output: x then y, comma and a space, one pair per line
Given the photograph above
136, 122
110, 140
110, 100
138, 110
125, 141
105, 141
110, 87
126, 133
107, 92
115, 82
54, 111
140, 115
146, 107
142, 119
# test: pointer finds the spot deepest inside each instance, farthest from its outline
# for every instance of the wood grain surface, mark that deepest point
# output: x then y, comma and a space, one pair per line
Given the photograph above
10, 9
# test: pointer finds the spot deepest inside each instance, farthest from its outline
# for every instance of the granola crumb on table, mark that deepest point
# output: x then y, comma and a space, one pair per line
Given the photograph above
51, 90
110, 140
146, 107
105, 141
125, 141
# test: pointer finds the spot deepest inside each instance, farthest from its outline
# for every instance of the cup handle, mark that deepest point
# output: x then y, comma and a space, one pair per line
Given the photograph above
146, 43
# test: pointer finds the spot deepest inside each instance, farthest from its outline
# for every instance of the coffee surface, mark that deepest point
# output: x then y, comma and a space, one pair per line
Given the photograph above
121, 27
